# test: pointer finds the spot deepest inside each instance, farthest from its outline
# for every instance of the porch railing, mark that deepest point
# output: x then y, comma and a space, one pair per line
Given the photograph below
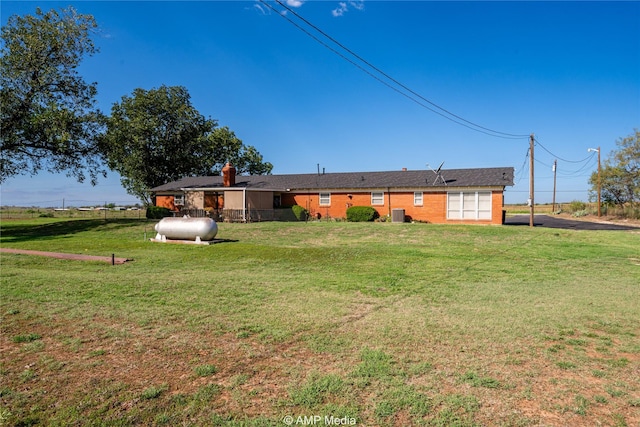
240, 215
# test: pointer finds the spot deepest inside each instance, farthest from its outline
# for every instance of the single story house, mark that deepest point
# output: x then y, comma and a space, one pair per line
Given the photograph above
446, 196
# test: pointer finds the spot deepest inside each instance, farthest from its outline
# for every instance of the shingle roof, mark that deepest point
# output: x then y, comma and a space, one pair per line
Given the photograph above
484, 177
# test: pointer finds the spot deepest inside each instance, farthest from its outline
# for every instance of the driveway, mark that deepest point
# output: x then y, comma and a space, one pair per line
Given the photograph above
567, 224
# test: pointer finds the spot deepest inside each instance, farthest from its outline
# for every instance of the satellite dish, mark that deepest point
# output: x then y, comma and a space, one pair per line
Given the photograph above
438, 173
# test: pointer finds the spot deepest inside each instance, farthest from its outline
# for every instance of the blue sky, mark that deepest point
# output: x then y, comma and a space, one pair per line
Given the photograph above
569, 72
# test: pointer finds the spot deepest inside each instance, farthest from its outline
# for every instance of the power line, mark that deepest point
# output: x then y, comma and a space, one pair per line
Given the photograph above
522, 169
560, 158
542, 163
443, 112
587, 162
581, 169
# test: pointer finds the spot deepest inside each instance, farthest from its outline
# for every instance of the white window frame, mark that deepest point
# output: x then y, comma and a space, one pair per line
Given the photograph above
178, 199
324, 199
418, 198
467, 205
377, 198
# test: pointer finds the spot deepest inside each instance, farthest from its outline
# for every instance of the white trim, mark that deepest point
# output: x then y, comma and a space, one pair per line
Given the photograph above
469, 209
244, 205
320, 198
379, 200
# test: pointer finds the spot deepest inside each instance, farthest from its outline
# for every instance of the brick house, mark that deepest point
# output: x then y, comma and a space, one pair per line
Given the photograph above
453, 196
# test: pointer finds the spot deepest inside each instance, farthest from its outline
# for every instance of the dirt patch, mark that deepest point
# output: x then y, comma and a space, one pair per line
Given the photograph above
103, 366
74, 360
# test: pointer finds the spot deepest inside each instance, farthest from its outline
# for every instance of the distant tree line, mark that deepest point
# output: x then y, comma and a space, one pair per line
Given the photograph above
49, 118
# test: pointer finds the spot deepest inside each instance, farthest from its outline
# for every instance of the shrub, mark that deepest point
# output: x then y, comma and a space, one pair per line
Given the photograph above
157, 212
576, 206
580, 213
361, 214
301, 213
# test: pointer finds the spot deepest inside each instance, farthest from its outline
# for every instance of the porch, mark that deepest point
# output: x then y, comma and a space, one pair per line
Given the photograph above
240, 215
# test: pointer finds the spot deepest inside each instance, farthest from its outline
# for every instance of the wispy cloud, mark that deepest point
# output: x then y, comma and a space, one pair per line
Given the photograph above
266, 10
340, 10
357, 4
261, 9
295, 3
343, 7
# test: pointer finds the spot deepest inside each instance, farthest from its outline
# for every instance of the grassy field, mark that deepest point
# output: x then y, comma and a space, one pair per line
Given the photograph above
371, 324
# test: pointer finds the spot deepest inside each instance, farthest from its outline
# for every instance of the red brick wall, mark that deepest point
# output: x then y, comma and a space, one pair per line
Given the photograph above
166, 202
433, 209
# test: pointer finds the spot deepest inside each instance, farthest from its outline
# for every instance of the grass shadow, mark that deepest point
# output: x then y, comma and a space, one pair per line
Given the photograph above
50, 230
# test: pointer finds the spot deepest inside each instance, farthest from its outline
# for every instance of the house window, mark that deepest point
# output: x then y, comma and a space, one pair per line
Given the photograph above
178, 199
417, 198
377, 198
469, 205
325, 199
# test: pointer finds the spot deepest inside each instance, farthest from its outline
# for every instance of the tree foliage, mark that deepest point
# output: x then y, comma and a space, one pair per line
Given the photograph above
156, 136
48, 113
226, 147
153, 137
620, 174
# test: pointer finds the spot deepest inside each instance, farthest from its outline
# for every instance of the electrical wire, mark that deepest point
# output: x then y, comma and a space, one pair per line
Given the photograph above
587, 161
542, 163
560, 158
443, 112
523, 169
576, 172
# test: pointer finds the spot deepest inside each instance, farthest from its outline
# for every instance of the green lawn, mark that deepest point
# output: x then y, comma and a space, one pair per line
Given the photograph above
375, 324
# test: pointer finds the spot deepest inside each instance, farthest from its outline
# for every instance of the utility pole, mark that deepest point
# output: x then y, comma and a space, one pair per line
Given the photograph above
555, 167
531, 175
599, 182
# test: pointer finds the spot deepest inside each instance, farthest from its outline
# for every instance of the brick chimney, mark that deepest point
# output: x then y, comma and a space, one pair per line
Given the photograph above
228, 175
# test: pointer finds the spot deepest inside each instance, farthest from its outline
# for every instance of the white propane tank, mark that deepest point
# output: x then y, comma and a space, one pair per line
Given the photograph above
186, 229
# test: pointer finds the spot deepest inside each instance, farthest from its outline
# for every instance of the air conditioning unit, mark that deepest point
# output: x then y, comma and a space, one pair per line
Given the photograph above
397, 215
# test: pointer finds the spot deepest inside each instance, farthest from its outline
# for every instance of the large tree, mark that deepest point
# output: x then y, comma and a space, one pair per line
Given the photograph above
227, 147
156, 136
620, 174
48, 113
